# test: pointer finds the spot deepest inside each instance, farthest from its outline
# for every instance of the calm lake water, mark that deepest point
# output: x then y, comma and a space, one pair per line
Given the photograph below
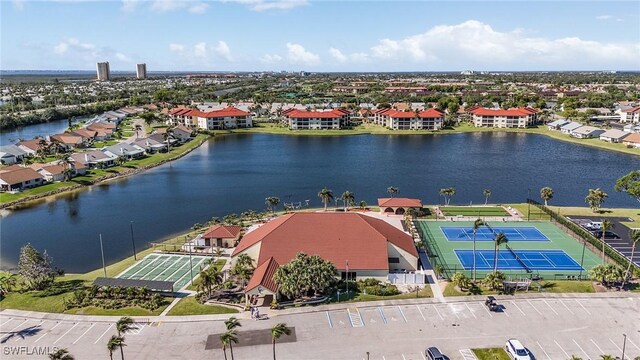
235, 173
12, 136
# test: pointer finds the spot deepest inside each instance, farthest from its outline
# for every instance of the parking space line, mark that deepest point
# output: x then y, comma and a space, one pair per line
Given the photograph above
384, 319
485, 309
18, 338
471, 311
550, 307
518, 307
594, 343
534, 308
545, 353
329, 318
438, 312
616, 345
403, 358
581, 349
421, 314
401, 313
631, 342
453, 310
74, 325
423, 357
84, 333
565, 305
565, 353
110, 326
6, 322
15, 328
585, 309
43, 335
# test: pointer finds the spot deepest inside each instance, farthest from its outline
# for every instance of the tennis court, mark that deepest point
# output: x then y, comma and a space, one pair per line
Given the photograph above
166, 267
484, 233
518, 260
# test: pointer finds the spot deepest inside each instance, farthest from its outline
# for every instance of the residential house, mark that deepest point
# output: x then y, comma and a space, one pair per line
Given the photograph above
557, 124
31, 147
127, 151
222, 236
613, 135
19, 179
7, 158
50, 172
586, 132
313, 120
103, 131
630, 115
67, 141
632, 140
182, 133
631, 128
15, 154
160, 137
150, 145
94, 159
511, 118
87, 135
568, 128
227, 118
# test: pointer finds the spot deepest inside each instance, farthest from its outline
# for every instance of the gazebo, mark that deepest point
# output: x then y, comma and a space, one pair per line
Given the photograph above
398, 206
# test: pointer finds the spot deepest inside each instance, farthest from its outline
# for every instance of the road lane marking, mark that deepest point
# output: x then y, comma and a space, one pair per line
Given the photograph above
565, 305
581, 349
401, 313
421, 314
43, 335
518, 307
550, 307
594, 343
110, 326
534, 308
471, 311
436, 309
565, 353
84, 333
74, 325
541, 348
585, 309
329, 318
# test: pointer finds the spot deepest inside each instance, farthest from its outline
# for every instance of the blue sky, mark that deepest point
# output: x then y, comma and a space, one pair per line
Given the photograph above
320, 35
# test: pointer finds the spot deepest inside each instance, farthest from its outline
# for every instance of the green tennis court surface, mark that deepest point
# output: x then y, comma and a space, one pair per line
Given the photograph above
474, 211
166, 267
445, 251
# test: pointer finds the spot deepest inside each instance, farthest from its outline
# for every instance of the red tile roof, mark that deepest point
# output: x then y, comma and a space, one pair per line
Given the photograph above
399, 202
222, 232
425, 114
303, 114
336, 237
631, 110
633, 138
33, 144
499, 112
263, 276
19, 176
226, 112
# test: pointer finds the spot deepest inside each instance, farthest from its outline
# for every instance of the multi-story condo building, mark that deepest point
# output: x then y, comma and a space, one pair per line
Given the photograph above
630, 115
104, 73
511, 118
430, 119
315, 120
141, 71
227, 118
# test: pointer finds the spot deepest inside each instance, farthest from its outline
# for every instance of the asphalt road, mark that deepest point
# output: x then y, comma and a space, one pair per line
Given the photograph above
623, 245
552, 328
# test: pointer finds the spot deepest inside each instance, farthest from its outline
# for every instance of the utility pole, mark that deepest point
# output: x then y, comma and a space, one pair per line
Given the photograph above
133, 242
529, 204
102, 252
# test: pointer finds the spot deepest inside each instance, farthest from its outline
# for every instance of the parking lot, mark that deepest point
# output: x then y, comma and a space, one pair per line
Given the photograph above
552, 328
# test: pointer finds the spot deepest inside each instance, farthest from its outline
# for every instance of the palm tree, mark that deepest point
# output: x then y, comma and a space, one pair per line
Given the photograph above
229, 338
138, 128
7, 283
546, 193
232, 323
573, 357
348, 198
276, 332
595, 198
272, 202
476, 225
634, 237
392, 190
124, 324
61, 354
448, 194
115, 342
501, 238
326, 196
607, 357
487, 194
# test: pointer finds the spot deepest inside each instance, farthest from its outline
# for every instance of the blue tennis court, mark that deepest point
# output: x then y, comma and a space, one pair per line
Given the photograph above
518, 260
525, 233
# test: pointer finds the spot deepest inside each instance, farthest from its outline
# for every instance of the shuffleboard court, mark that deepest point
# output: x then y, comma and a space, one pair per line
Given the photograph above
166, 267
518, 260
523, 233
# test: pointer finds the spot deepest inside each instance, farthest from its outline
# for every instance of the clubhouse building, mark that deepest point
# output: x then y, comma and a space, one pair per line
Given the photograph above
398, 206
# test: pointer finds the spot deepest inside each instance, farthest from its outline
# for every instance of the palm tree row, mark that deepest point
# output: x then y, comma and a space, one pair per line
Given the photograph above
123, 325
230, 336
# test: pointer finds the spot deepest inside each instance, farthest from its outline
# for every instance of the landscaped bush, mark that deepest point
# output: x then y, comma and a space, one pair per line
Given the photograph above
376, 287
116, 297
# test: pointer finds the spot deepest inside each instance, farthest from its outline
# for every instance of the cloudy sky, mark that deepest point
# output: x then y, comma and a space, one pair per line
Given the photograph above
309, 35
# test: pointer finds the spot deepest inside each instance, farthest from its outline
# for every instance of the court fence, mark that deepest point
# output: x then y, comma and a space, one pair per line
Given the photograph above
578, 232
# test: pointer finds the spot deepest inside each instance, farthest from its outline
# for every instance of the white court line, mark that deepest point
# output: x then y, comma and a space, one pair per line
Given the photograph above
6, 322
585, 309
541, 348
565, 305
144, 267
329, 318
43, 335
110, 326
534, 308
631, 342
84, 333
188, 272
421, 314
550, 307
436, 309
518, 307
581, 349
401, 313
471, 311
616, 345
567, 355
594, 343
175, 271
74, 325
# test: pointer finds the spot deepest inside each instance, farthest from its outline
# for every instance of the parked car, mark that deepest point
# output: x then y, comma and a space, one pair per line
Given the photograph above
492, 304
607, 235
433, 353
517, 351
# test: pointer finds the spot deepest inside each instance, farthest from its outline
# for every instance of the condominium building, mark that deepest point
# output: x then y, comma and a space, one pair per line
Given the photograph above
315, 120
630, 115
430, 119
103, 70
227, 118
141, 71
498, 118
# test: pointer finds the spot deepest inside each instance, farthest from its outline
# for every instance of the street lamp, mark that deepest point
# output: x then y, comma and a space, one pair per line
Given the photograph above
102, 252
133, 242
624, 344
528, 204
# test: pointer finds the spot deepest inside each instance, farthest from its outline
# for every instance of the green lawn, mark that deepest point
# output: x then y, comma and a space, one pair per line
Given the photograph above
44, 301
218, 264
357, 297
189, 306
491, 354
550, 286
474, 211
6, 197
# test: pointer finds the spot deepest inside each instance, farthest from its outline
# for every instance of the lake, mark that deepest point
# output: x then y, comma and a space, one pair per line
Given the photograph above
231, 174
12, 136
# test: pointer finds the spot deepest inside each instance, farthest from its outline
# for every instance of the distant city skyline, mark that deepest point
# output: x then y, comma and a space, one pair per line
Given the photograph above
295, 35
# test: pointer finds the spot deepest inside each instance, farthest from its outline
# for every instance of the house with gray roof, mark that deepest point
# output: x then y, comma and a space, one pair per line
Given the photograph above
150, 145
12, 151
124, 150
568, 128
556, 125
586, 132
613, 135
94, 159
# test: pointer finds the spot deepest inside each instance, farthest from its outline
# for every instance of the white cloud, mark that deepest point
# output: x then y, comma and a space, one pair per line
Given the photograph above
200, 50
297, 54
337, 54
176, 47
271, 59
223, 50
604, 17
123, 57
72, 44
167, 5
265, 5
83, 52
129, 5
199, 8
202, 54
343, 58
18, 4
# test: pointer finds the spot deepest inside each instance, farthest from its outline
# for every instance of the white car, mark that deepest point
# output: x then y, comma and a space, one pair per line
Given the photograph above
517, 351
